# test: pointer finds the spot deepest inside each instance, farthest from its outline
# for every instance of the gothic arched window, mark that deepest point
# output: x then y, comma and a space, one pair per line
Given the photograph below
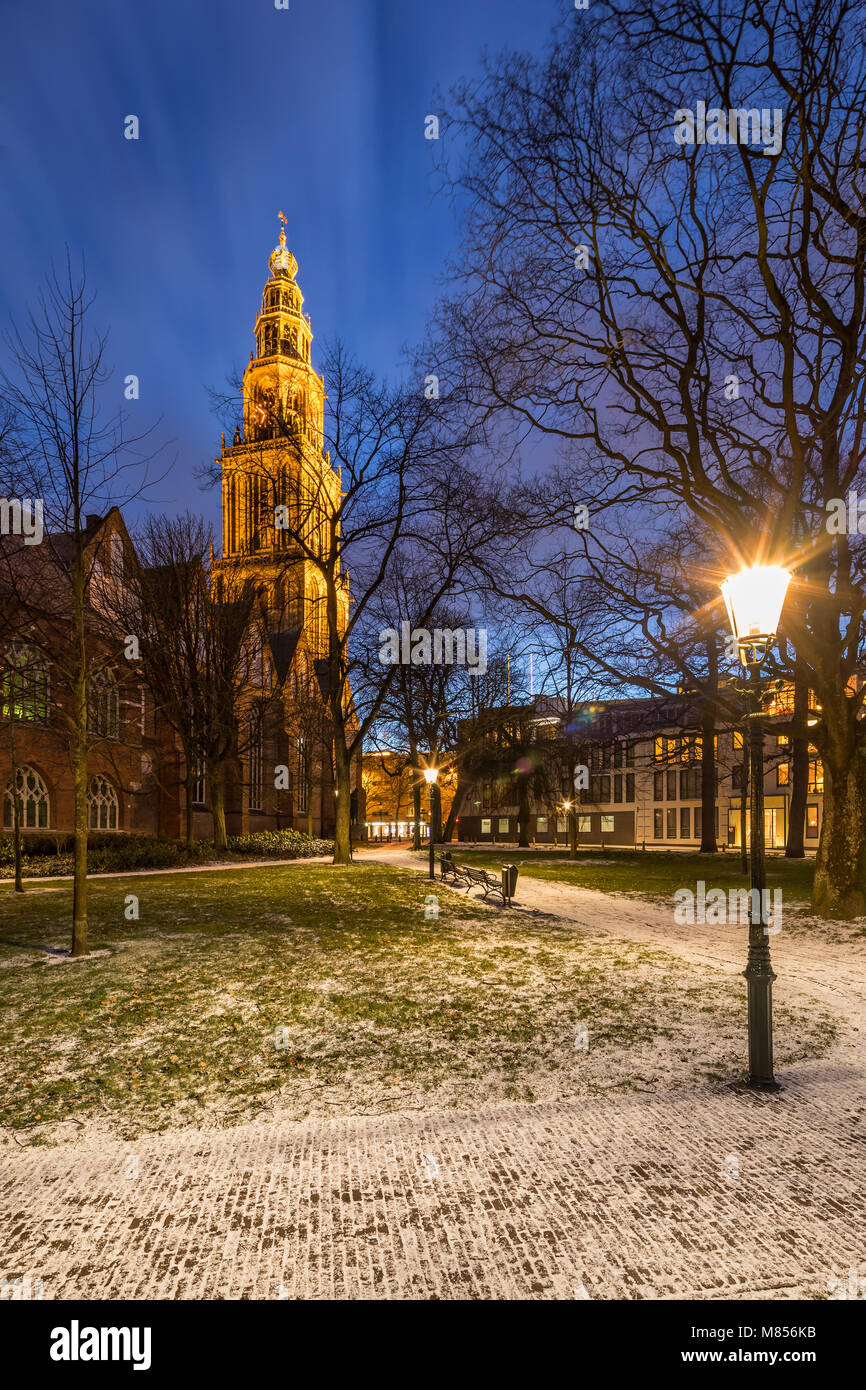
233, 515
32, 798
103, 713
269, 340
24, 683
102, 805
303, 773
255, 759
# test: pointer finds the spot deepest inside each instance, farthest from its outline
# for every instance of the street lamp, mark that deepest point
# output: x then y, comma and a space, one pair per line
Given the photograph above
430, 775
754, 600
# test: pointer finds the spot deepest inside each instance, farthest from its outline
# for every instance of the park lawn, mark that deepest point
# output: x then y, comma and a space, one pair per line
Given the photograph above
173, 1019
651, 872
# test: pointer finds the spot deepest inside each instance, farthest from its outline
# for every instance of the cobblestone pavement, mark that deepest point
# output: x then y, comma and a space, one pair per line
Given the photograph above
714, 1192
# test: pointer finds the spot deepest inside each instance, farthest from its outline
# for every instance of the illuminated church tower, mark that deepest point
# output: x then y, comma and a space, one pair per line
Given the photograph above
276, 471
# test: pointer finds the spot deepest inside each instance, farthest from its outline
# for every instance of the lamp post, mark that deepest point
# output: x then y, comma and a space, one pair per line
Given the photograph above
754, 600
430, 775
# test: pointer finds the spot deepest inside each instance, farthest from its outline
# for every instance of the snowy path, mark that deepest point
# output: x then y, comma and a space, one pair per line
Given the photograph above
713, 1192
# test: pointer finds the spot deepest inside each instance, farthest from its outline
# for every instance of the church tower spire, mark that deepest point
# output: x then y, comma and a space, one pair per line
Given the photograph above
276, 460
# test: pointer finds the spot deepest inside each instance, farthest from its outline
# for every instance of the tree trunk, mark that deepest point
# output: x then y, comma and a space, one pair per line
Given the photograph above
448, 830
523, 813
216, 775
708, 783
839, 889
794, 845
435, 813
343, 828
79, 767
189, 784
16, 813
572, 833
416, 813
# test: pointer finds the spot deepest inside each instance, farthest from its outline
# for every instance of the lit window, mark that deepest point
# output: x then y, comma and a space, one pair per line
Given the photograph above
811, 822
24, 683
584, 825
783, 775
816, 775
607, 825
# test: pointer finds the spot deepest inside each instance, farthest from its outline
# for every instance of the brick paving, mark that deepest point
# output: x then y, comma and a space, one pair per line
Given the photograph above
713, 1192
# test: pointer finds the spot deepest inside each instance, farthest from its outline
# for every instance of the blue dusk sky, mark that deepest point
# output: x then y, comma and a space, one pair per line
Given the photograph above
244, 110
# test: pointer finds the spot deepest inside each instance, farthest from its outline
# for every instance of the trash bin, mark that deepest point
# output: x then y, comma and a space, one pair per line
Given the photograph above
509, 881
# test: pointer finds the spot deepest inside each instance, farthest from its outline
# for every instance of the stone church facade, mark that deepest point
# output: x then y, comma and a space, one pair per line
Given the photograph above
282, 776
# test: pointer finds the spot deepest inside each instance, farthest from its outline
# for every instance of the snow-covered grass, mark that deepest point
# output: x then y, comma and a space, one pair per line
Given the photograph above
328, 990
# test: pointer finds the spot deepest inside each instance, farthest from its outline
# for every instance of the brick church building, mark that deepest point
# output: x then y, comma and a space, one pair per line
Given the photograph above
281, 775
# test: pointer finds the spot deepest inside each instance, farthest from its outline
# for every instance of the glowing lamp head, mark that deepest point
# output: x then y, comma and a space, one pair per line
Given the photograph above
566, 805
754, 600
430, 775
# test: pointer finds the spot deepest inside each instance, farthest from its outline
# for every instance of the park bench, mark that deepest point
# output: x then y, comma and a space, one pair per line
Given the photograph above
488, 883
448, 869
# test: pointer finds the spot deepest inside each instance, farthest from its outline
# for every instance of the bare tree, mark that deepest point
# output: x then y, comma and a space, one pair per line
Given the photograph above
75, 460
685, 315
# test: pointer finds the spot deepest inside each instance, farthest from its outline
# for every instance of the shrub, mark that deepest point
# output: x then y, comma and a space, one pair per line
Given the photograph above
51, 855
280, 844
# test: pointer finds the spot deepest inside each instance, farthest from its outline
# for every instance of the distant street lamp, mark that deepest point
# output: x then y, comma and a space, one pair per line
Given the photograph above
754, 600
430, 775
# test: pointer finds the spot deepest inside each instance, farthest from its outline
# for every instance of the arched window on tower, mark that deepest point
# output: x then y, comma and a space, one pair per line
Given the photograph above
33, 801
256, 499
233, 515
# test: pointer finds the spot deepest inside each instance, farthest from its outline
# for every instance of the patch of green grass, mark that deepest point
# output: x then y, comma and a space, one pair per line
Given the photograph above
644, 872
315, 986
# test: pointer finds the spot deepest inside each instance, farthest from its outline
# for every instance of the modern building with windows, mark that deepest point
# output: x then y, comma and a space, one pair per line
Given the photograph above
641, 781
